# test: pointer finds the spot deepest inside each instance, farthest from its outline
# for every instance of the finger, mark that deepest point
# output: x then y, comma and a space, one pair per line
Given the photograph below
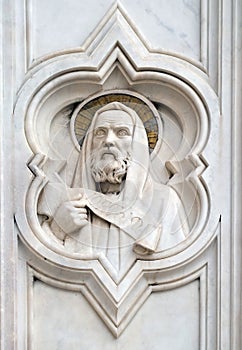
79, 203
79, 216
77, 209
80, 221
82, 216
80, 210
75, 197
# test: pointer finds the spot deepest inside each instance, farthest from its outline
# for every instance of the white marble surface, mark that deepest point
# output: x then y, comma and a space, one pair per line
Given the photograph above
192, 292
155, 20
63, 24
162, 28
44, 123
64, 320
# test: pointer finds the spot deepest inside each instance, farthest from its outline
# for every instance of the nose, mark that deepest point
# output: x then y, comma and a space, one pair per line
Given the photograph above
110, 139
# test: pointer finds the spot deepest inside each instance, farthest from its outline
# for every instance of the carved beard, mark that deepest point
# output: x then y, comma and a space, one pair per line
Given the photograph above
109, 170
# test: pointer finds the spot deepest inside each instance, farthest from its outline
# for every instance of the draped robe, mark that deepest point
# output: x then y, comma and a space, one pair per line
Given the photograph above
143, 218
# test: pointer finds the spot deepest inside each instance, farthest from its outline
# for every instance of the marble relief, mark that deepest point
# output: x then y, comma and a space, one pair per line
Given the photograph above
114, 207
115, 164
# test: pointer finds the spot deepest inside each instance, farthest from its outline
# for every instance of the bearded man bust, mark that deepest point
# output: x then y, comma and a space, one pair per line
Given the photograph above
114, 209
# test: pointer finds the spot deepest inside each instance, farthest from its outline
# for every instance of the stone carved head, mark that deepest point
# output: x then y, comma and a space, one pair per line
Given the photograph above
111, 145
115, 148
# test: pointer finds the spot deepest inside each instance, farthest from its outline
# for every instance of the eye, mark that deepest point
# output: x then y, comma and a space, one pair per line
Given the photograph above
122, 132
100, 132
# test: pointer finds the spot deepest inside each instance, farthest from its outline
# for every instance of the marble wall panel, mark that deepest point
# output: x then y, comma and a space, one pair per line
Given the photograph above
64, 320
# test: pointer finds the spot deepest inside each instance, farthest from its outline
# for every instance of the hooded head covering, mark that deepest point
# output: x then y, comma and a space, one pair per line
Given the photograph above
137, 182
147, 212
138, 170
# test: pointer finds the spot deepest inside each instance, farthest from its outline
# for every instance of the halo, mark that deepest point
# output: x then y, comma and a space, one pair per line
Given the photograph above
84, 112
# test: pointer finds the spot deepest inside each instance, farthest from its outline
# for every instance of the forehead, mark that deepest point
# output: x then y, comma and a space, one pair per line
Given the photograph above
114, 118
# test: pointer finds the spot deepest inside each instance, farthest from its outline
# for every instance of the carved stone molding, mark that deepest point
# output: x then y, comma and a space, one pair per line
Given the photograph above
116, 60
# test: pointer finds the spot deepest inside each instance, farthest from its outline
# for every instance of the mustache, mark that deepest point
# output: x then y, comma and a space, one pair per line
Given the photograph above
112, 171
110, 150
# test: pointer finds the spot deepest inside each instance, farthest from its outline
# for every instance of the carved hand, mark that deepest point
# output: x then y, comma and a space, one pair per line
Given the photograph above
72, 215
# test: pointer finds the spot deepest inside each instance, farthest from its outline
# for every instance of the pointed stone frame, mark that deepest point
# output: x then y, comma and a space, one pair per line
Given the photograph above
117, 43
